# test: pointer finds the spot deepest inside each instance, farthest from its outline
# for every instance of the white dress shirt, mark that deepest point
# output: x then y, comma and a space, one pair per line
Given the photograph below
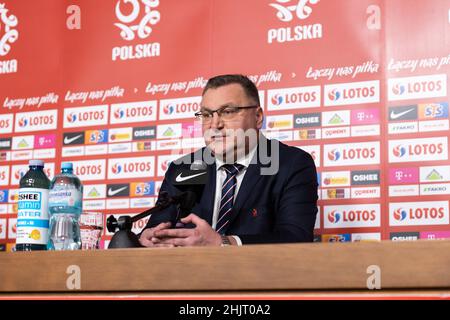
220, 178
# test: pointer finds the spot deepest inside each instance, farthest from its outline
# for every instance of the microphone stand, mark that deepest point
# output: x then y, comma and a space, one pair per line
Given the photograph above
125, 238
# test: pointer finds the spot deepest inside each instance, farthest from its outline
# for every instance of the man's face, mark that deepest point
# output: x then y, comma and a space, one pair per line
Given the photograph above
224, 135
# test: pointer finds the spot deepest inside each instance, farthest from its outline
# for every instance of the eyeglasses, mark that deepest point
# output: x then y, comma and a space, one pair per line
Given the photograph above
226, 113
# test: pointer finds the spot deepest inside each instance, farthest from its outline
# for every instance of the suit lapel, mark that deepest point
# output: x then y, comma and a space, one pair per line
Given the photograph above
209, 194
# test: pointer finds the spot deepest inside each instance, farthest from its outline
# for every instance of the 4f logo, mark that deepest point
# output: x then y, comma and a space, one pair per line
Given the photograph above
7, 33
133, 22
286, 9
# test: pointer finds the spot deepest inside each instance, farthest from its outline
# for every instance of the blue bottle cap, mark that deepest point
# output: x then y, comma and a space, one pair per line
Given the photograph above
38, 163
66, 165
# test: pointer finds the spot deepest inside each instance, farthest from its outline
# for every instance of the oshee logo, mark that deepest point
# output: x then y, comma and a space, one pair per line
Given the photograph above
418, 213
417, 87
179, 108
36, 121
351, 154
360, 215
130, 24
131, 167
352, 93
85, 116
294, 98
426, 149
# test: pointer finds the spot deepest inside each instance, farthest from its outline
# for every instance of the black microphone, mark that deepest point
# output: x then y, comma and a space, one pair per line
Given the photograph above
191, 183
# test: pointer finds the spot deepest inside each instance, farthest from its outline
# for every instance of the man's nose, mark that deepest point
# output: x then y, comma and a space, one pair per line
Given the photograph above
216, 121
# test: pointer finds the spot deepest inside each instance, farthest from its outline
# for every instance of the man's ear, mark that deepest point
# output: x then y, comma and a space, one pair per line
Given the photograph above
259, 118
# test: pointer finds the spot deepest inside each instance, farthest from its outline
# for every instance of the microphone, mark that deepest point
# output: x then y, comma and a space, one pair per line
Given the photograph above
190, 182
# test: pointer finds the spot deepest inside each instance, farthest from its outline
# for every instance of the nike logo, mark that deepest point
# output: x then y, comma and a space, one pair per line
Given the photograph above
112, 192
179, 178
400, 114
68, 140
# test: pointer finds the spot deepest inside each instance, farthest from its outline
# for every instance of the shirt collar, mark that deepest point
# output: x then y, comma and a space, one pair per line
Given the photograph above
245, 160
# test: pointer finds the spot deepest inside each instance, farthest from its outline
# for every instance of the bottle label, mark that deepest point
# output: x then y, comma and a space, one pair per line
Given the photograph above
65, 198
32, 216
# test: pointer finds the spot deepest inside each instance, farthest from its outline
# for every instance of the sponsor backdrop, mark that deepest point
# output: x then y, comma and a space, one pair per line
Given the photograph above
112, 85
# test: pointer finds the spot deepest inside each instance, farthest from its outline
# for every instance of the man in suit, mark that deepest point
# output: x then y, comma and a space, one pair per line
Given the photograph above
257, 190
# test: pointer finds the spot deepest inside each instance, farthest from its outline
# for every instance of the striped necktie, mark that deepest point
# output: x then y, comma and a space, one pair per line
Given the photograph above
226, 202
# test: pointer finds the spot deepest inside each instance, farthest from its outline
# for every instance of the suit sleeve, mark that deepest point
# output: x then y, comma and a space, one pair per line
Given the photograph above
295, 213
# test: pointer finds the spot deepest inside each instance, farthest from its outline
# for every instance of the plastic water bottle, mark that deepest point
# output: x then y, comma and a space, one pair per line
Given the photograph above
65, 206
32, 215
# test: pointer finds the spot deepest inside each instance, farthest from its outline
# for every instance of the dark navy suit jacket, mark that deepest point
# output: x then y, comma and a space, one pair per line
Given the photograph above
276, 208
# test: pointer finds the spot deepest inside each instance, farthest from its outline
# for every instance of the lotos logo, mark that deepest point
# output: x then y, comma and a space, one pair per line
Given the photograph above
398, 89
90, 169
131, 167
419, 213
71, 117
285, 10
169, 109
417, 87
400, 214
352, 93
334, 216
133, 112
294, 98
399, 151
352, 154
334, 95
277, 100
23, 122
19, 173
36, 121
179, 108
426, 149
334, 155
358, 215
118, 114
116, 169
85, 116
134, 23
7, 32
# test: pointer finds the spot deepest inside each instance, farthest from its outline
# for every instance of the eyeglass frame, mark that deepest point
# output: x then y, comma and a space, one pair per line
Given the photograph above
218, 111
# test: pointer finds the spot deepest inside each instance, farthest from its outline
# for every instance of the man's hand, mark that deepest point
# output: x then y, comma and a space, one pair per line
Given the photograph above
201, 235
148, 234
